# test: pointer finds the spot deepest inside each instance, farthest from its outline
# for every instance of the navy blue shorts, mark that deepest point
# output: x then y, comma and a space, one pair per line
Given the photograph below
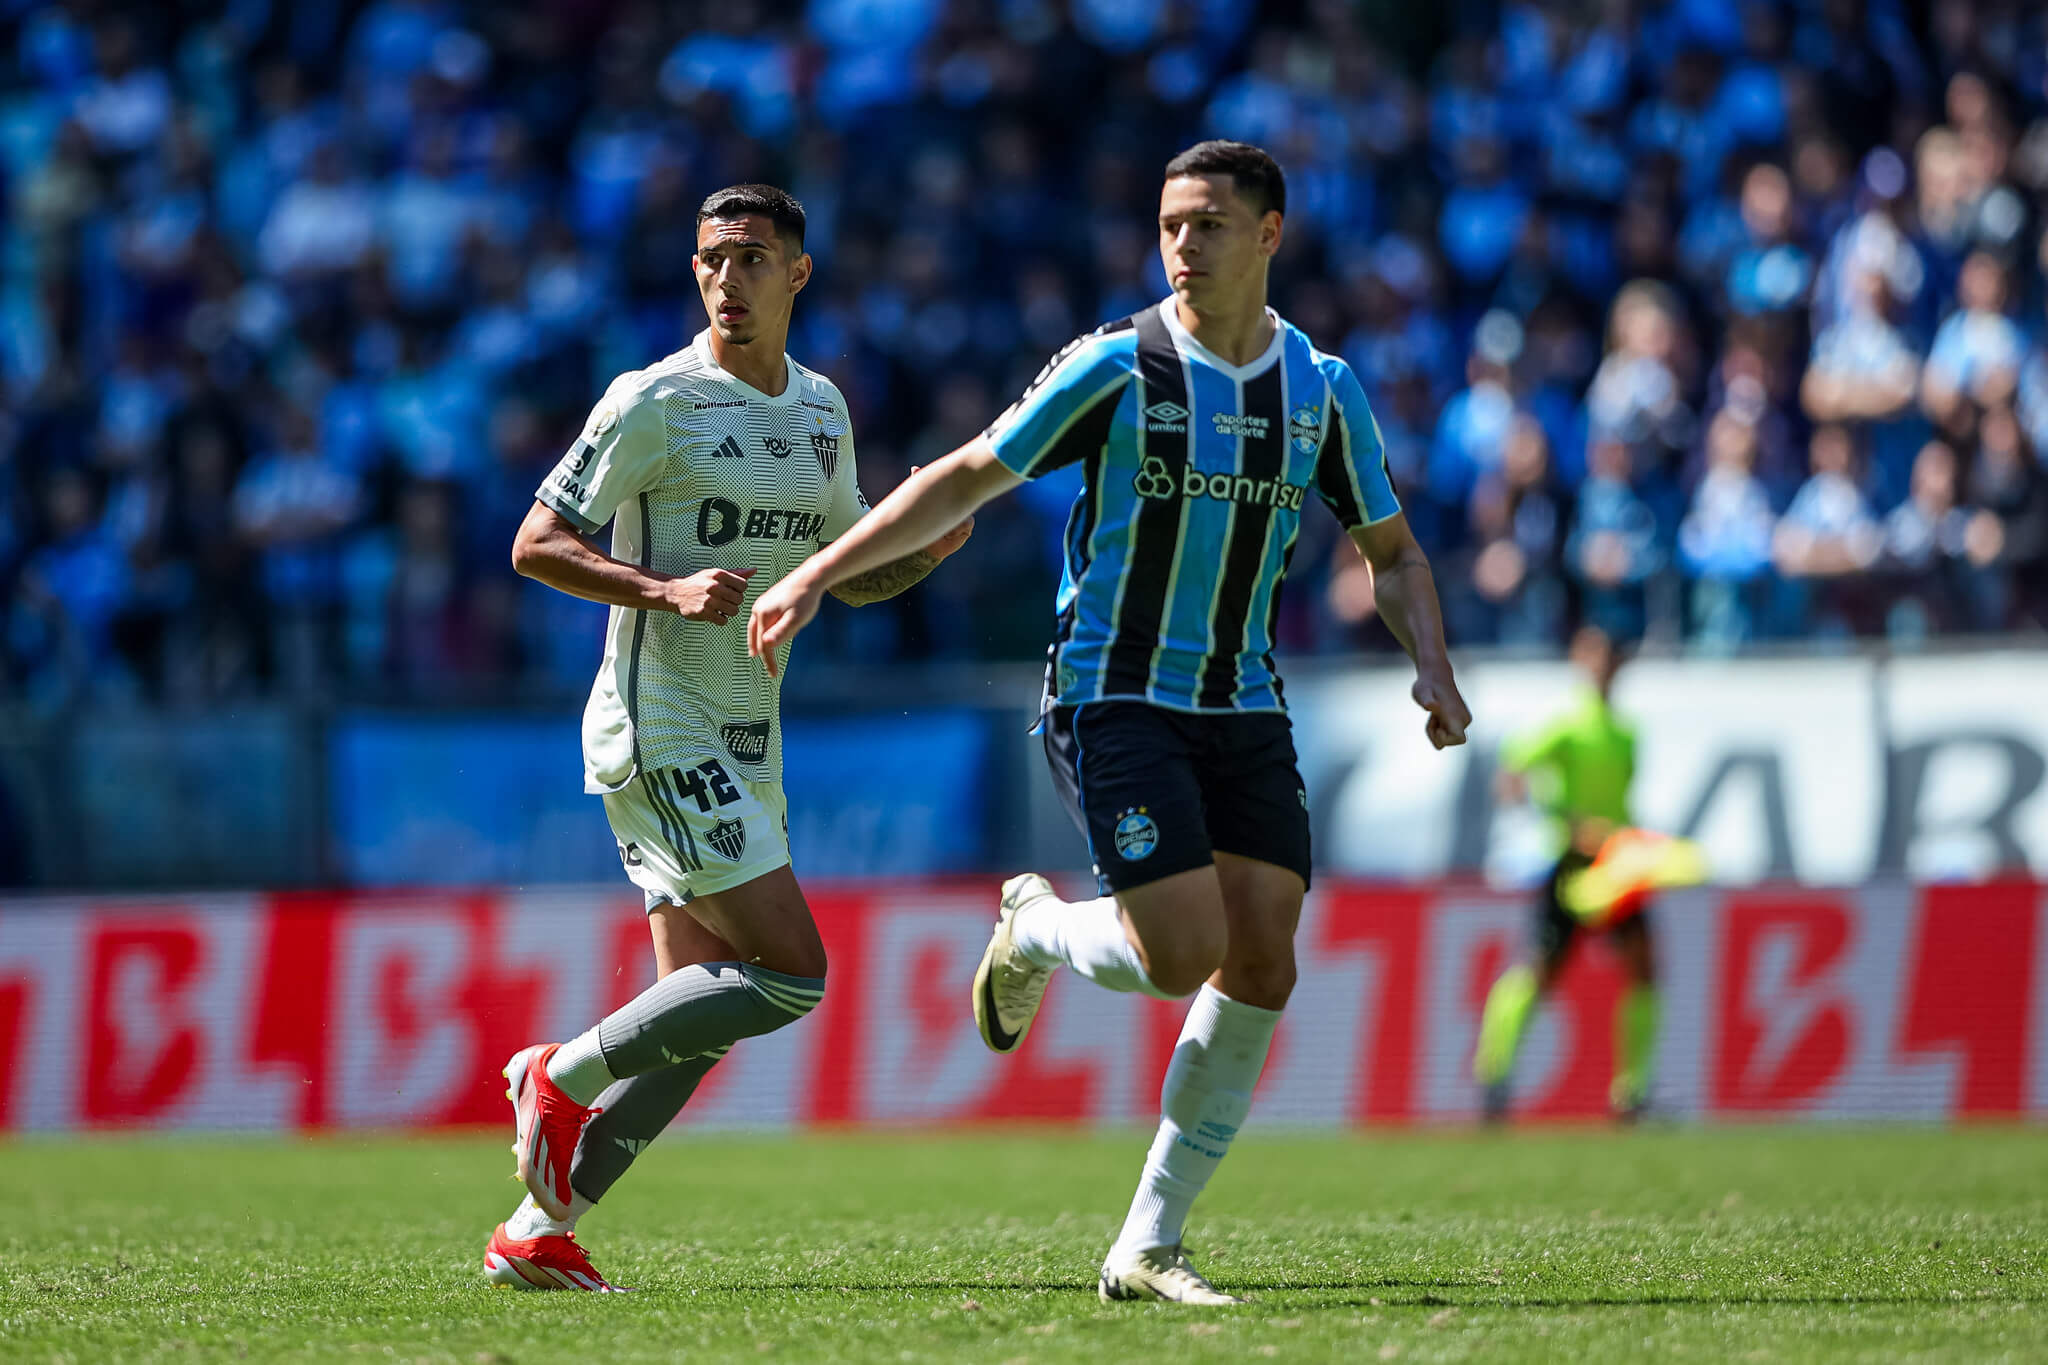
1158, 792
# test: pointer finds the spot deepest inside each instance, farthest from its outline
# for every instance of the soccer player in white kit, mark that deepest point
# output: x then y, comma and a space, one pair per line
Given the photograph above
721, 469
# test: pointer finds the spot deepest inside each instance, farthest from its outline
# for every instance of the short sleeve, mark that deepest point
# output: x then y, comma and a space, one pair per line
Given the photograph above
1065, 415
846, 505
619, 453
1351, 470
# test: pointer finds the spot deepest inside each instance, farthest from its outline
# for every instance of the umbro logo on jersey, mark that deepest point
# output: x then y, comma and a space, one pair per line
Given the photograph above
729, 839
721, 521
777, 447
729, 449
1157, 480
1166, 415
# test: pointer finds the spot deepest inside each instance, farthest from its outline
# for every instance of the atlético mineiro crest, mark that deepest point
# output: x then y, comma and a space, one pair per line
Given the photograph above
1136, 834
729, 839
826, 446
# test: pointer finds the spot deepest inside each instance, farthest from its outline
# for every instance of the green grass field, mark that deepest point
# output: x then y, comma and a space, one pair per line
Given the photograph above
1585, 1246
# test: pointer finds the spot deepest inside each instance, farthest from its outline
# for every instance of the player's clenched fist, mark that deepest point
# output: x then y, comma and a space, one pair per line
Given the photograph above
1448, 714
780, 613
711, 596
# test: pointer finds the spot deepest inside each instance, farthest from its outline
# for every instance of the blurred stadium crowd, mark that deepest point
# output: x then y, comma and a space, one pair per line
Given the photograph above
1703, 319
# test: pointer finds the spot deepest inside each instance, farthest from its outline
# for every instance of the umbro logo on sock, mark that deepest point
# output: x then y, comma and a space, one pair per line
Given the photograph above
633, 1146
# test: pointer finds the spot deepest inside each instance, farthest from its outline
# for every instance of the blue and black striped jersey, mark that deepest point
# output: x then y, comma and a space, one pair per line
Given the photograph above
1195, 471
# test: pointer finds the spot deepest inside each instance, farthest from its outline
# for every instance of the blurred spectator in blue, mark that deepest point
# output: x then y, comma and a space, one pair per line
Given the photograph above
1724, 543
126, 106
1828, 537
1471, 435
425, 217
1613, 548
324, 223
497, 337
214, 640
1924, 546
1863, 369
70, 595
292, 504
1772, 272
1483, 217
1876, 239
2032, 397
1977, 353
436, 638
1399, 328
431, 408
2006, 541
1678, 120
1638, 395
1512, 591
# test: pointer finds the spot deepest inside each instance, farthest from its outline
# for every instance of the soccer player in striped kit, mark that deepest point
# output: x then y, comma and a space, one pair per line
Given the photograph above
1202, 426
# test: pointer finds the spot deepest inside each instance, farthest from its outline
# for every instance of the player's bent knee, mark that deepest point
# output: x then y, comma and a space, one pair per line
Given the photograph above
1182, 968
781, 998
1266, 982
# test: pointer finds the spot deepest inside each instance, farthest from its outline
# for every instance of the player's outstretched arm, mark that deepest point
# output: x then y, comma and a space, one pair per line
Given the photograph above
1406, 594
549, 550
901, 575
925, 507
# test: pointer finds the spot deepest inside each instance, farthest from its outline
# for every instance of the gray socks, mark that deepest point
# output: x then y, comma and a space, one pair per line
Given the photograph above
633, 1113
701, 1008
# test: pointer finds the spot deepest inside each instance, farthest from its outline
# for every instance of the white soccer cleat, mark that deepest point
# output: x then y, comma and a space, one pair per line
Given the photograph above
1009, 987
1162, 1273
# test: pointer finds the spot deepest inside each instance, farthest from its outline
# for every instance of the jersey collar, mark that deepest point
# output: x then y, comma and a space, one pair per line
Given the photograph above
1186, 341
789, 394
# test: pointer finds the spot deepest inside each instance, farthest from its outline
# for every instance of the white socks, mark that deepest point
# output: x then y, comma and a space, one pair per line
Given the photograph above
1207, 1094
530, 1220
578, 1067
1085, 935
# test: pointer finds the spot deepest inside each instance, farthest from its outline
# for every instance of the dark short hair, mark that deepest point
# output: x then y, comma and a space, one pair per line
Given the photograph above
1251, 169
776, 205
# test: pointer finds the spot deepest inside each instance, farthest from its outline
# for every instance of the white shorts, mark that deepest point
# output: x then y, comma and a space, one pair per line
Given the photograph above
696, 831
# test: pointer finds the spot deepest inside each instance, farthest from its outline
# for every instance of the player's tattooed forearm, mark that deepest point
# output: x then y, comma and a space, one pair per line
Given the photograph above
886, 581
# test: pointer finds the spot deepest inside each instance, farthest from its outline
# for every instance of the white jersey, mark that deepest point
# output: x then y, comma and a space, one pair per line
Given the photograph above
697, 469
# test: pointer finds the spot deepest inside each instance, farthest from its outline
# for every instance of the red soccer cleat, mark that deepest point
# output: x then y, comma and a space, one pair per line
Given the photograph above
548, 1124
542, 1263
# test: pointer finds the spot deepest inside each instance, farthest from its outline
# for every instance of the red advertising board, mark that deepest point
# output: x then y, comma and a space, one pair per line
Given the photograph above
392, 1010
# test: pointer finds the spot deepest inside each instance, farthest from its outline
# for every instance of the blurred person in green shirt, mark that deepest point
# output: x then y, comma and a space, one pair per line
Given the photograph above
1577, 769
